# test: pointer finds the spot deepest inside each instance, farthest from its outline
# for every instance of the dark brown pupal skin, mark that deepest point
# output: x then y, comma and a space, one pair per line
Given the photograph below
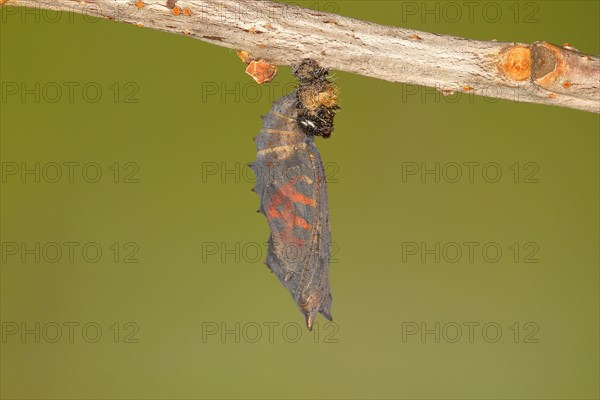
290, 181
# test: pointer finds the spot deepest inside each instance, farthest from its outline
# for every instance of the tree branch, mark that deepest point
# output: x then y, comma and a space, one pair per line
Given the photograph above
282, 35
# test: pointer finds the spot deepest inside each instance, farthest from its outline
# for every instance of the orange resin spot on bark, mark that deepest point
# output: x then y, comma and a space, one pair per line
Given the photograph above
244, 56
139, 4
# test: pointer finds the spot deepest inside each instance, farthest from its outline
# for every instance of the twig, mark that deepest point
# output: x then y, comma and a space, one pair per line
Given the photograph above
282, 34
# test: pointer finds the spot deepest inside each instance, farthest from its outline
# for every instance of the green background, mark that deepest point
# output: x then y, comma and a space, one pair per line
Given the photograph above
174, 211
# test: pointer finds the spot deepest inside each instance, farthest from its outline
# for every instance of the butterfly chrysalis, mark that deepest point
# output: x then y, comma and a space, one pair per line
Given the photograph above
290, 181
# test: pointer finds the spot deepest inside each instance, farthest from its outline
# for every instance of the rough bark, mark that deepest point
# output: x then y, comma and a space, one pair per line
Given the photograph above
282, 35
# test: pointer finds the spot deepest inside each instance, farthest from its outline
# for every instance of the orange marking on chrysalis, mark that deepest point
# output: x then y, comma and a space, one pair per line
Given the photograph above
187, 12
176, 10
139, 4
302, 199
302, 223
289, 190
286, 196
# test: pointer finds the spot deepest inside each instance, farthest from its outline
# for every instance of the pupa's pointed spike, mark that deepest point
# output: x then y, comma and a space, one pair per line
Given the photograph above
326, 308
309, 315
310, 320
267, 265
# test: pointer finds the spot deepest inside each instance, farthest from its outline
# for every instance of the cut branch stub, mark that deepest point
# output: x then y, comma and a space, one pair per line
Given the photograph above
565, 71
558, 70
